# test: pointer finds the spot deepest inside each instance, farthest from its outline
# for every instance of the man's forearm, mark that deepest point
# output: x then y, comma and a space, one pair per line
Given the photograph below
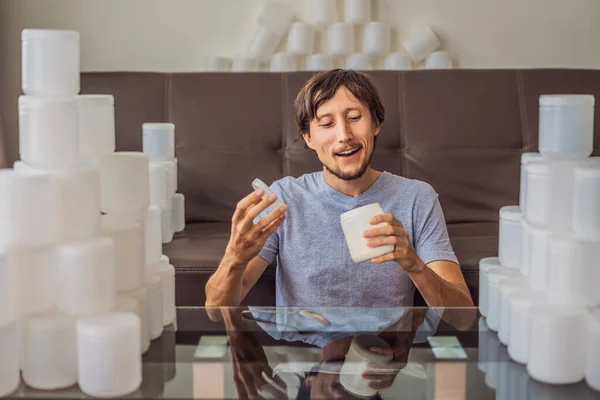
224, 288
438, 292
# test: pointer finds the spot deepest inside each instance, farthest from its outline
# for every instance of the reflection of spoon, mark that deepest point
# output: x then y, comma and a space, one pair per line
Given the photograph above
305, 313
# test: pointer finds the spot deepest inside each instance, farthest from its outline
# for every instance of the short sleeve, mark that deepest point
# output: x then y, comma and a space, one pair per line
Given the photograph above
271, 248
431, 240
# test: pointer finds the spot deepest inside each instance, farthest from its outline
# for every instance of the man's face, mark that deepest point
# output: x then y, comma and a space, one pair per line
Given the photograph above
343, 135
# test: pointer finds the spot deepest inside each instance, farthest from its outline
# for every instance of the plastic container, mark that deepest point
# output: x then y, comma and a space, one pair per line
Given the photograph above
485, 265
495, 278
573, 272
301, 39
50, 64
36, 270
510, 236
354, 223
508, 288
262, 45
493, 356
438, 60
550, 194
28, 212
49, 351
158, 140
358, 359
357, 11
166, 272
216, 63
483, 333
159, 184
524, 265
166, 223
322, 12
566, 126
526, 158
558, 339
275, 17
153, 285
376, 38
340, 39
86, 276
283, 62
96, 126
519, 308
109, 360
586, 197
128, 238
537, 239
319, 62
421, 42
178, 218
153, 236
398, 61
359, 62
10, 376
592, 366
48, 131
8, 291
245, 64
136, 301
124, 184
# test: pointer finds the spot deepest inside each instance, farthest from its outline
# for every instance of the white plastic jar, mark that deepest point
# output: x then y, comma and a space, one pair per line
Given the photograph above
485, 266
592, 369
518, 308
158, 140
508, 288
50, 62
526, 158
96, 126
510, 234
558, 338
495, 278
586, 198
354, 223
566, 126
537, 253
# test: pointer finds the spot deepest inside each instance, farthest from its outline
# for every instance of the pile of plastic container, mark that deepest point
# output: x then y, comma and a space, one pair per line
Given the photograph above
84, 286
541, 293
338, 31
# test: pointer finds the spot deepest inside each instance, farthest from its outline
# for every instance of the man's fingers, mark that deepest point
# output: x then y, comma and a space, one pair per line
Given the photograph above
272, 227
387, 217
245, 203
382, 350
247, 223
266, 221
383, 231
383, 241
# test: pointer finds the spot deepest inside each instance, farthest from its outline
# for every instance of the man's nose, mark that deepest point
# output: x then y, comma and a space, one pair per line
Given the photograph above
344, 132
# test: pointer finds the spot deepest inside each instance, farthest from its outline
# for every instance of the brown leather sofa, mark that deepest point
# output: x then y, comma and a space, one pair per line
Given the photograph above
462, 131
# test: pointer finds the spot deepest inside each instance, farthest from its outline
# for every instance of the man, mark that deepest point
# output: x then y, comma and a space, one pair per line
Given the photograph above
339, 115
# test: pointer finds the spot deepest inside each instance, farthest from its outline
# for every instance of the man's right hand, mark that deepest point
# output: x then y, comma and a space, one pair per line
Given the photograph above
247, 238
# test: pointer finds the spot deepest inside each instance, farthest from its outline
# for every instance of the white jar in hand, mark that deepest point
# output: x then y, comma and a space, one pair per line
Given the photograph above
354, 224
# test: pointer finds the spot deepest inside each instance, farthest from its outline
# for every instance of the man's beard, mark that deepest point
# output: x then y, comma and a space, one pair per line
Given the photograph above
349, 177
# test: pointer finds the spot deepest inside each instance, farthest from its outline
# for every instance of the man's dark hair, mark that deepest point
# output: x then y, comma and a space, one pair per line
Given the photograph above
323, 86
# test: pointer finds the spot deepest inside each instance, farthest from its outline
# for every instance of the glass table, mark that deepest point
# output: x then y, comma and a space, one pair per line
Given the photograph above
272, 353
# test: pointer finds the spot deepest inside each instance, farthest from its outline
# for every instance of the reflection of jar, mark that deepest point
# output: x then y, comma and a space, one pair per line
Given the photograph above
358, 359
354, 223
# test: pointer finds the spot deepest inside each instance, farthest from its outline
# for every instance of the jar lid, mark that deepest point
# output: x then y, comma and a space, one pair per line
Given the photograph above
588, 171
51, 321
126, 303
96, 99
498, 275
511, 213
140, 294
538, 232
49, 34
531, 157
528, 298
158, 126
567, 100
33, 102
538, 167
373, 208
163, 269
488, 263
570, 241
512, 285
554, 314
108, 324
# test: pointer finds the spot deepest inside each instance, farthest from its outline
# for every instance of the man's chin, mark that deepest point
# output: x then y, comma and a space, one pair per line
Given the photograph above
347, 175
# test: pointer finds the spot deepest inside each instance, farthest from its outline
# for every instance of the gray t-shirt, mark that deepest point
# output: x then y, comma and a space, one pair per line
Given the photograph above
314, 267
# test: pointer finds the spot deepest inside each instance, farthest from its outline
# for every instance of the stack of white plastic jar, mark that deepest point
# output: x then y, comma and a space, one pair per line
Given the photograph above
540, 294
78, 301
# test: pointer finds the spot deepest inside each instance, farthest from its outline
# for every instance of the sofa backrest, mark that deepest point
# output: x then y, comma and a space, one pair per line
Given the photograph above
462, 131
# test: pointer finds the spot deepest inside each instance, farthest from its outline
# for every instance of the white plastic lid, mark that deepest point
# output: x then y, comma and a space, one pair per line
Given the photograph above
32, 102
488, 263
567, 100
538, 233
126, 304
140, 294
554, 314
257, 184
588, 171
594, 320
164, 271
531, 157
498, 275
373, 208
528, 298
511, 213
96, 99
50, 34
513, 285
570, 241
158, 126
110, 223
50, 321
108, 324
165, 259
539, 167
91, 246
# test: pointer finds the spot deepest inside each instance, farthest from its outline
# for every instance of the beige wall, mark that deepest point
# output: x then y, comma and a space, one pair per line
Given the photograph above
173, 35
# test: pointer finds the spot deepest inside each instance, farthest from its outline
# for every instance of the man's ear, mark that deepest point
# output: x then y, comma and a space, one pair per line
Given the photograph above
377, 129
306, 137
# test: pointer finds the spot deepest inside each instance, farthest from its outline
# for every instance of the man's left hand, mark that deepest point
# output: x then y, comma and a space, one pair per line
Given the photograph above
393, 234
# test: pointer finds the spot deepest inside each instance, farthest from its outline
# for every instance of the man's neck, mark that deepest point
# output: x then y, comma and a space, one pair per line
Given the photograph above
354, 187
